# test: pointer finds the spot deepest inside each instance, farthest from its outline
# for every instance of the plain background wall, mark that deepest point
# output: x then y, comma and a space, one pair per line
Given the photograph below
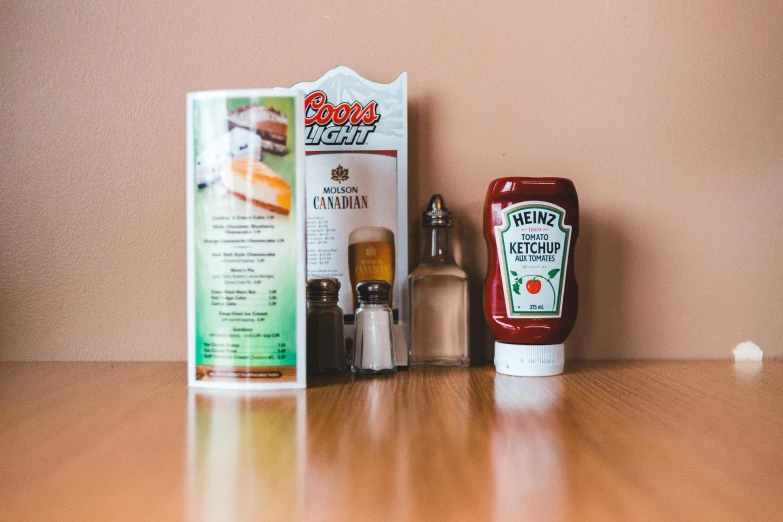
668, 116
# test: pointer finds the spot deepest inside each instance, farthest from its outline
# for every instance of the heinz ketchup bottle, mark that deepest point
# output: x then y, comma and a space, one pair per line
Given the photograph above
530, 292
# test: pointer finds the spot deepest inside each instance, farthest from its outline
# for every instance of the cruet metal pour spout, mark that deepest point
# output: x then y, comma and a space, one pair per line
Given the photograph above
437, 215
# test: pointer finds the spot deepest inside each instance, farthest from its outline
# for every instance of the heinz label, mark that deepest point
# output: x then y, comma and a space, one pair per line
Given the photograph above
533, 242
356, 184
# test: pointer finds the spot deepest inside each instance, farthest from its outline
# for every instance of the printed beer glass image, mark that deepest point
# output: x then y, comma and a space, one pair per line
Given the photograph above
370, 257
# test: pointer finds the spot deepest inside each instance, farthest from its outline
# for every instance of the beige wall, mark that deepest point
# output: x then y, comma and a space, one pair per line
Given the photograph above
668, 116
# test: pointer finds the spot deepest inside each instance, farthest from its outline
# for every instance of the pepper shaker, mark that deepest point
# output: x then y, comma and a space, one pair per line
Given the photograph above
374, 349
325, 341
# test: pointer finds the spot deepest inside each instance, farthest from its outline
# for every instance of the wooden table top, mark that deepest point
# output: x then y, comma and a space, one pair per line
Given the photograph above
621, 441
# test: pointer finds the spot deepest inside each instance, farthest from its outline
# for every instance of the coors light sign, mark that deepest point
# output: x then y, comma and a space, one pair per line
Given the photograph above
356, 141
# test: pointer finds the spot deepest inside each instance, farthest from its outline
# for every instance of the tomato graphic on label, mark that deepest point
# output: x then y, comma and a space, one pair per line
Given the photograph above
533, 286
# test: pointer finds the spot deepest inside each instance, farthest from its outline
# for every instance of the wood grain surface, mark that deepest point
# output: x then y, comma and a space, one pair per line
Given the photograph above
605, 441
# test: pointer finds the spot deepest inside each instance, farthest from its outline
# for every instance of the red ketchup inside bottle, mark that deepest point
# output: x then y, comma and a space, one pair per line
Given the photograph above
530, 292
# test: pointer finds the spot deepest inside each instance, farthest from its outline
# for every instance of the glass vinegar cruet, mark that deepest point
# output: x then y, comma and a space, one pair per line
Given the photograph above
438, 296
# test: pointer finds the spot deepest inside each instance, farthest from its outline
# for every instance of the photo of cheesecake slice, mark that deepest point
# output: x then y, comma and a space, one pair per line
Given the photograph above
253, 180
269, 124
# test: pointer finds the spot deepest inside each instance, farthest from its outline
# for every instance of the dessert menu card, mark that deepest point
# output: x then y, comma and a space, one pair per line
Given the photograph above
246, 258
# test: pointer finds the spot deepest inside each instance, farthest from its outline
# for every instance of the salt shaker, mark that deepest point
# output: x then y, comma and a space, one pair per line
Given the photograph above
325, 342
374, 348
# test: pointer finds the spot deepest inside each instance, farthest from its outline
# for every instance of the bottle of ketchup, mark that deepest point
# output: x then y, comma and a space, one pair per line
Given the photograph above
530, 292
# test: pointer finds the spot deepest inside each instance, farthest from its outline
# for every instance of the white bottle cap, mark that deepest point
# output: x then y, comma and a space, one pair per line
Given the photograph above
529, 360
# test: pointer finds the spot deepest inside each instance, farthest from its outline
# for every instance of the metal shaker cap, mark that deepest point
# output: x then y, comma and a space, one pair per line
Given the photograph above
323, 290
436, 215
374, 292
